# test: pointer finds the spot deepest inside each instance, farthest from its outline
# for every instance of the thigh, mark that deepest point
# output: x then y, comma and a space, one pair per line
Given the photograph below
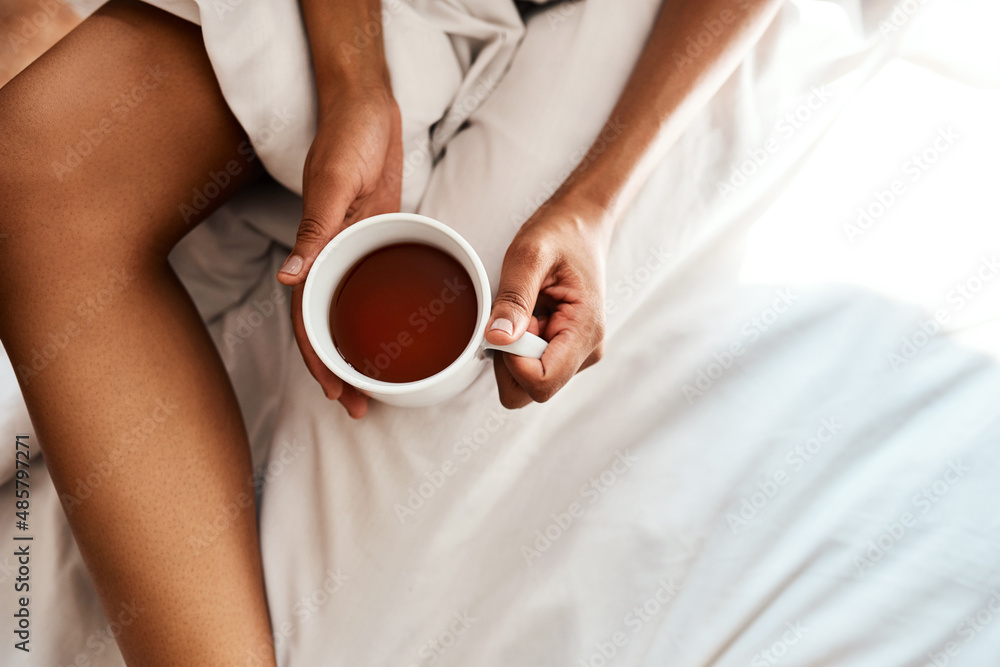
116, 141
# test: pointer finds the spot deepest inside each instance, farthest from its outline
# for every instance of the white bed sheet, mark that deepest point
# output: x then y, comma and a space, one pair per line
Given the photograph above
841, 561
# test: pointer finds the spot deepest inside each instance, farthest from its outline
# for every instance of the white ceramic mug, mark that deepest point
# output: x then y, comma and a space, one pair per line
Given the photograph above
366, 236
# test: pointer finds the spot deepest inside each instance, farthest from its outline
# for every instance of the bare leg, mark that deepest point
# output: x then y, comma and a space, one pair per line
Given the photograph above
119, 374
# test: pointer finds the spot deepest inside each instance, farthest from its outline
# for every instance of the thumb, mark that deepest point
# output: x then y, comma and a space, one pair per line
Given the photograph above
322, 219
520, 281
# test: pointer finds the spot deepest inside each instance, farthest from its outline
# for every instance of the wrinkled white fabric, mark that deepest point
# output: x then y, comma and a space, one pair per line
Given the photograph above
445, 58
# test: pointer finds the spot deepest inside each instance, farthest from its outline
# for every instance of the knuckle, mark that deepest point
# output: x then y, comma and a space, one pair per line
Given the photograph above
541, 392
324, 169
512, 297
508, 402
528, 252
512, 400
312, 230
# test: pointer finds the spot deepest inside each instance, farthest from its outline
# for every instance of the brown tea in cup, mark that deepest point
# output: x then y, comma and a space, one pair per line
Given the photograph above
403, 312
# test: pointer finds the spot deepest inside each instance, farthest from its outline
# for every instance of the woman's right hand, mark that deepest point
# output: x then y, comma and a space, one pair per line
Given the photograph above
353, 171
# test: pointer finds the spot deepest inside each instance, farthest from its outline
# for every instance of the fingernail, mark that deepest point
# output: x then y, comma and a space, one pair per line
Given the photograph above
504, 325
292, 265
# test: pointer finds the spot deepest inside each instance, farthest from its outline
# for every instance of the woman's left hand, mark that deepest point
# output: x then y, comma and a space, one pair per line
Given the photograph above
552, 285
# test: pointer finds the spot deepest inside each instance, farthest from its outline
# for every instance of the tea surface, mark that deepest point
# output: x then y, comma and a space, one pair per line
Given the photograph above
403, 312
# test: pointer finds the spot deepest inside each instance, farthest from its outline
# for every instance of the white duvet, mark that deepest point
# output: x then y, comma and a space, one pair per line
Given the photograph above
789, 454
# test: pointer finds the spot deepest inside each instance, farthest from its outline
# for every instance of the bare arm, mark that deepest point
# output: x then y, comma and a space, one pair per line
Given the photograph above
552, 254
667, 88
340, 61
355, 162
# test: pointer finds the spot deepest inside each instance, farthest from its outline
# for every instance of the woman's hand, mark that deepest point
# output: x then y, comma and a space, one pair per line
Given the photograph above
552, 285
553, 274
353, 171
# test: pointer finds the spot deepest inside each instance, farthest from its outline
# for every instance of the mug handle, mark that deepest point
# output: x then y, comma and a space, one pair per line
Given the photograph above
529, 345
